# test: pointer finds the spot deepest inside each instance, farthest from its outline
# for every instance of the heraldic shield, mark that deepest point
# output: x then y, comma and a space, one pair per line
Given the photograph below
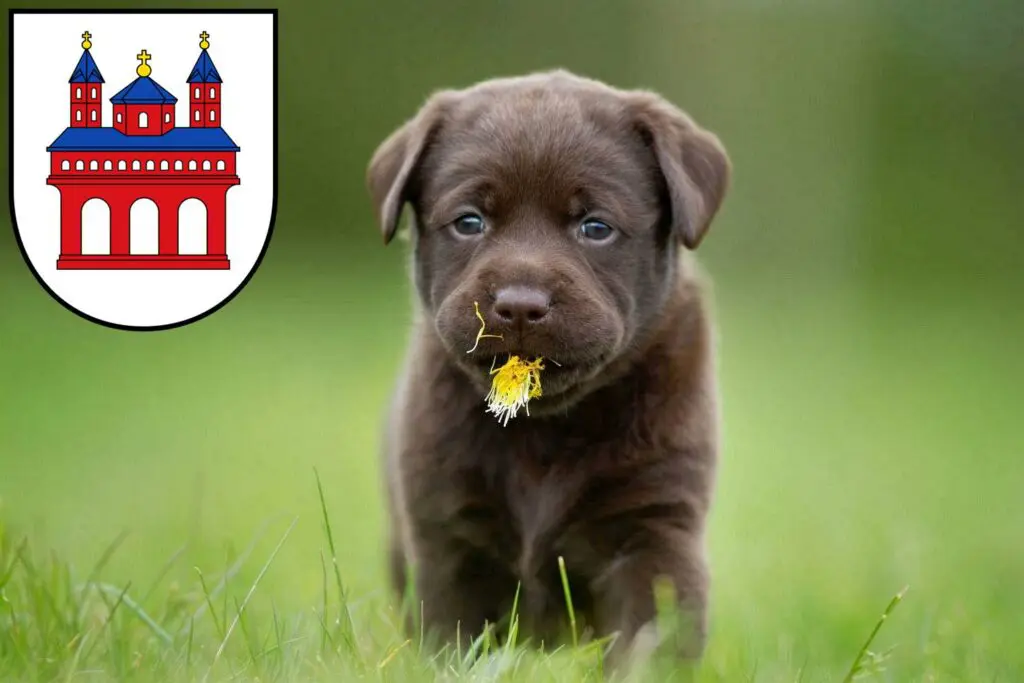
143, 158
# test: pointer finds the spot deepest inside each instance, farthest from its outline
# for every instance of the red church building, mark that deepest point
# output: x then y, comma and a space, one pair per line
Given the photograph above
143, 158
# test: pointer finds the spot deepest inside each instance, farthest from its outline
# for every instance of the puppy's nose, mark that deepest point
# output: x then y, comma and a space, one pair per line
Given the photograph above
520, 304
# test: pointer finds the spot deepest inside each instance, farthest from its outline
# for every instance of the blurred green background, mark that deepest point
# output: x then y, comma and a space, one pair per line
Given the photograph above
868, 283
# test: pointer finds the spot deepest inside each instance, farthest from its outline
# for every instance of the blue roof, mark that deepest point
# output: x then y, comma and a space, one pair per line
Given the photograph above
111, 139
143, 90
86, 70
204, 71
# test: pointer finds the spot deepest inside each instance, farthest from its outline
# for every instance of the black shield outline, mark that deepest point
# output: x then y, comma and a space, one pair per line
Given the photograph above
10, 132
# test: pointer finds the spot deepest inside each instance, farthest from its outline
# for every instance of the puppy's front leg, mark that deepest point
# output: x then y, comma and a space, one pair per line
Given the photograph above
625, 600
459, 589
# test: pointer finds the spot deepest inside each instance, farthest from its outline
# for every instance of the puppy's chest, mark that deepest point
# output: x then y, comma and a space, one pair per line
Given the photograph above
539, 490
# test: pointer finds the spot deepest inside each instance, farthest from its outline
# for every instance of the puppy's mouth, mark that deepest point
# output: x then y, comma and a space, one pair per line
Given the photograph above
573, 347
558, 377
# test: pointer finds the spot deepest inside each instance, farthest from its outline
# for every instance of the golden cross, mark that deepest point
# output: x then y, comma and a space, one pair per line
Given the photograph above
143, 69
86, 36
204, 35
204, 42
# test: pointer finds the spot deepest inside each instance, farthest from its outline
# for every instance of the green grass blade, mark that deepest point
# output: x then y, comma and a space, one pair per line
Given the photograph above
344, 616
162, 573
228, 575
568, 600
859, 659
248, 597
209, 603
136, 609
107, 620
513, 628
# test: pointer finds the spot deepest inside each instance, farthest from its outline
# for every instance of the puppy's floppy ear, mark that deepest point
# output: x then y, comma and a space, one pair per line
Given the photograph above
693, 162
394, 163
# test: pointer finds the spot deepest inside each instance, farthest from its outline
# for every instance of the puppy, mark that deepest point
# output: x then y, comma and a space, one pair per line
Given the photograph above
565, 209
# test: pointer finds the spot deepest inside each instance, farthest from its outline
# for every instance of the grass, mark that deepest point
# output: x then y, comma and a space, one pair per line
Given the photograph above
56, 627
205, 504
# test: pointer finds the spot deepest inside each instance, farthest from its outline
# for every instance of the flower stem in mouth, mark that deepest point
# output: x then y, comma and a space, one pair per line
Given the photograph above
513, 385
483, 326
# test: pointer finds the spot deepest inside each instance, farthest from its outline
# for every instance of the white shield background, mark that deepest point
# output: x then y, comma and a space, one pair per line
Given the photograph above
45, 49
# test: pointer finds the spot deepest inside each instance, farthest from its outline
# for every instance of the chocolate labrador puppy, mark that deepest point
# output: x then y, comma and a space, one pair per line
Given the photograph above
565, 209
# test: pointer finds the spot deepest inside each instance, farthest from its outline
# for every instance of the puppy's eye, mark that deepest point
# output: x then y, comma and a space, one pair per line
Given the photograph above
468, 225
595, 230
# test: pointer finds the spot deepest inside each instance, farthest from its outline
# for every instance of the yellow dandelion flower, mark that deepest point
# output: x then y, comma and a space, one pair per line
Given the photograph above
514, 384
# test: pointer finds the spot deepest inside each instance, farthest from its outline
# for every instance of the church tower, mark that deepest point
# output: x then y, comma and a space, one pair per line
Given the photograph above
143, 107
204, 87
86, 90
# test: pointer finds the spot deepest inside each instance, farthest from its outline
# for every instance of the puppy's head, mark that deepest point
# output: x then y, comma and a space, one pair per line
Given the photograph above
558, 205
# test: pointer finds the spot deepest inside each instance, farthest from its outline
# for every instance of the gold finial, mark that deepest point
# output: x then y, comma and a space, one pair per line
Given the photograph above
85, 40
143, 69
203, 40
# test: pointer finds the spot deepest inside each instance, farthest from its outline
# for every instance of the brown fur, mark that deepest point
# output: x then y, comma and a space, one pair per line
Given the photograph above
614, 467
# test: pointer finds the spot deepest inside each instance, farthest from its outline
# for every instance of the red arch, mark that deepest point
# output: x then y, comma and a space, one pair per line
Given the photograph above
120, 190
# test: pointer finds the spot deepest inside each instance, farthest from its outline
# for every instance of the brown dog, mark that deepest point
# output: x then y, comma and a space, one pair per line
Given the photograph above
565, 208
